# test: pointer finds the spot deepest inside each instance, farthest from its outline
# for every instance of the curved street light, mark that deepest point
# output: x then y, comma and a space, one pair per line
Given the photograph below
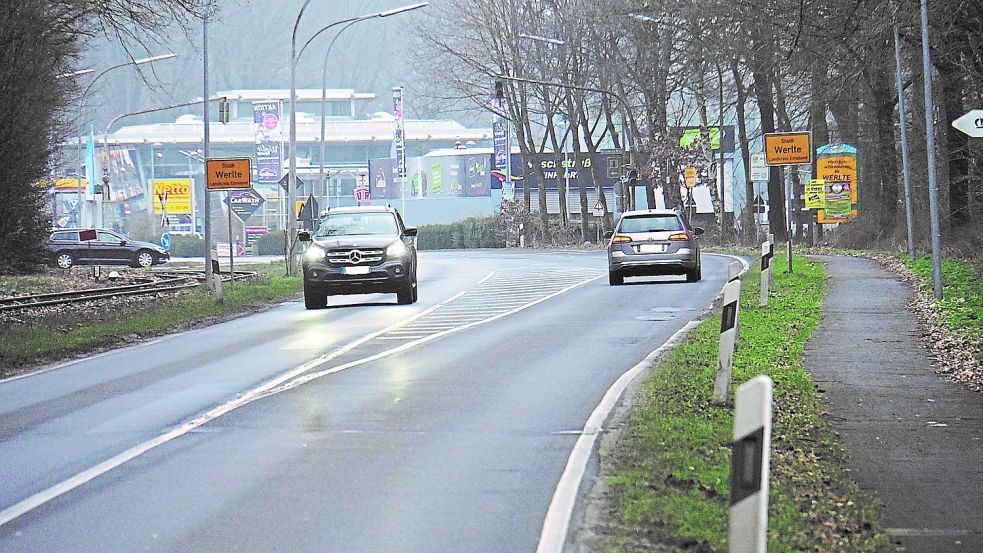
294, 58
324, 97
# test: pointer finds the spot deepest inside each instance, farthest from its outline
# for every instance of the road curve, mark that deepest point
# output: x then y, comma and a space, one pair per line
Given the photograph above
368, 426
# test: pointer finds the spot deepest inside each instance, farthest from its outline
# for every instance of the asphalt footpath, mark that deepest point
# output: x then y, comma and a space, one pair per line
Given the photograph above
912, 438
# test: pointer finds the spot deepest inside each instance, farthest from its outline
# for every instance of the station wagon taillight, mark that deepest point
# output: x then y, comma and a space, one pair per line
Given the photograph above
679, 236
620, 239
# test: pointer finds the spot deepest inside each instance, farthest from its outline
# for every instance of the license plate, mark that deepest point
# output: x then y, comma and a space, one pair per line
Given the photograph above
355, 270
651, 248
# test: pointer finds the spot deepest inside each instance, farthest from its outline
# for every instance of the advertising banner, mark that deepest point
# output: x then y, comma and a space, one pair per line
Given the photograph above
500, 155
399, 141
269, 141
178, 193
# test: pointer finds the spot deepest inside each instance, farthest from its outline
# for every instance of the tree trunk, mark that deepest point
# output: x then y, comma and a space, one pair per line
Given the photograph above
760, 70
748, 221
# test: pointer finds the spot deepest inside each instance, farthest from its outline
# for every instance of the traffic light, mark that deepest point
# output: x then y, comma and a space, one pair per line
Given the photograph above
223, 111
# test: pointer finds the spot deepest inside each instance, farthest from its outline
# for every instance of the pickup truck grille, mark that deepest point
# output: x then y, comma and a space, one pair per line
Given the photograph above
353, 256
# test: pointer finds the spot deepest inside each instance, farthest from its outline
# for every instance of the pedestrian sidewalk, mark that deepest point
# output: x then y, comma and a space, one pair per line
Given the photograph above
912, 439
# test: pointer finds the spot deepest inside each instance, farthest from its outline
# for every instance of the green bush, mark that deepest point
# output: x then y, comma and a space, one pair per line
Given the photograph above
272, 243
473, 232
187, 245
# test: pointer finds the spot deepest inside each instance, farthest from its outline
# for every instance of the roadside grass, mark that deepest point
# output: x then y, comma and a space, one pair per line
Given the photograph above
12, 285
22, 345
667, 473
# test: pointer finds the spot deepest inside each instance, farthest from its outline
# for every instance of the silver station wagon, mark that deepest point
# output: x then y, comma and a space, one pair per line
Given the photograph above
653, 242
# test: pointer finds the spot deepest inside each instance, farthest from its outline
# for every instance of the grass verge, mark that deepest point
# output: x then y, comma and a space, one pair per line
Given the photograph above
667, 473
961, 307
60, 335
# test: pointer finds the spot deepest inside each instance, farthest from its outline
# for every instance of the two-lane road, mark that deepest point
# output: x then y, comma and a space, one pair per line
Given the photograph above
442, 426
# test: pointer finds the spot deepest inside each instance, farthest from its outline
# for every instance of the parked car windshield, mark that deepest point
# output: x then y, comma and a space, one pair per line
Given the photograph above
348, 224
651, 223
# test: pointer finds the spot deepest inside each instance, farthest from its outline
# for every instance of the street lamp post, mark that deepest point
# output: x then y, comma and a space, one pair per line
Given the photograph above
292, 167
82, 97
324, 97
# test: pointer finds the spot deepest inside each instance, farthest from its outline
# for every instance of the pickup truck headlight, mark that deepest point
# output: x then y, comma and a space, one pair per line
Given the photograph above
314, 253
396, 249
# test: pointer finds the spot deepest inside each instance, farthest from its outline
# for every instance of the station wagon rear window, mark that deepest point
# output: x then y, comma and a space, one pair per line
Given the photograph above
651, 223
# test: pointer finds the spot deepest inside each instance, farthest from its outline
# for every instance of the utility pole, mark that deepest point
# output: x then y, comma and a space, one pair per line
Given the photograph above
209, 275
933, 189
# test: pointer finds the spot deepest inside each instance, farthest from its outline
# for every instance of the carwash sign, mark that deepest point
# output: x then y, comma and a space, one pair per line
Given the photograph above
244, 203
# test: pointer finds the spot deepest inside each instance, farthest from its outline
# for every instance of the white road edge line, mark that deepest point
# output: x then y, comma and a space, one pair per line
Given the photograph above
282, 383
557, 522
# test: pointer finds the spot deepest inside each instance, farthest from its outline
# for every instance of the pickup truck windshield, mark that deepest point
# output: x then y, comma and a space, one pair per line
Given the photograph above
350, 224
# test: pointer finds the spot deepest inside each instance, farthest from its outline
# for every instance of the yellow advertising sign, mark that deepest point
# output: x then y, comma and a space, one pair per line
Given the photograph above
228, 174
690, 177
839, 168
178, 195
70, 184
788, 148
815, 194
299, 207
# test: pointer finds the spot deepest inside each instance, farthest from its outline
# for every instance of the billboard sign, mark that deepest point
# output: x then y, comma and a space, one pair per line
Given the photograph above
834, 168
178, 194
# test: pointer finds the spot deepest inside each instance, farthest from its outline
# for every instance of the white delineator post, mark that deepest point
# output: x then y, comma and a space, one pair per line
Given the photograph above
771, 255
765, 272
728, 335
734, 273
749, 467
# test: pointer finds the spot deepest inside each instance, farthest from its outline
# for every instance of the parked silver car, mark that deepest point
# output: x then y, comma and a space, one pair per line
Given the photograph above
653, 242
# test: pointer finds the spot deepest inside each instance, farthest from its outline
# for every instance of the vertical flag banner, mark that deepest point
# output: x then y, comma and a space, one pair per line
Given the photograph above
90, 164
399, 141
269, 145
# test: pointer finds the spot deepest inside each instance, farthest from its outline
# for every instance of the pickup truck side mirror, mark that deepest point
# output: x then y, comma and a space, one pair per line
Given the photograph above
409, 231
304, 236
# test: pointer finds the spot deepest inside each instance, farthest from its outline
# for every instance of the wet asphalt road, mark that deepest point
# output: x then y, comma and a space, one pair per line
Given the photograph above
447, 433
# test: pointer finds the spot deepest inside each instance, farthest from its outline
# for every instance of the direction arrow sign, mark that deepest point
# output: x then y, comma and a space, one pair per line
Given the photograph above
244, 203
971, 123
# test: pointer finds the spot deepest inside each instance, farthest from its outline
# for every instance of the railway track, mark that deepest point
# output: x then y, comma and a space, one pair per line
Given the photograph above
167, 281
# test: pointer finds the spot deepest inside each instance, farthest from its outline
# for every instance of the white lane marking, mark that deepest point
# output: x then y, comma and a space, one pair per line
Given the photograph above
558, 515
282, 383
557, 521
42, 497
488, 276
